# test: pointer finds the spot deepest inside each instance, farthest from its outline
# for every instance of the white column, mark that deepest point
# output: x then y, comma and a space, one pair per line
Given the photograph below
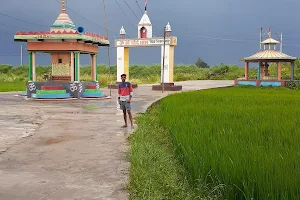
167, 64
120, 63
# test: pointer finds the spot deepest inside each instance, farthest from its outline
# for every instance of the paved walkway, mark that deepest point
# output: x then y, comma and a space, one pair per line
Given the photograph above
69, 149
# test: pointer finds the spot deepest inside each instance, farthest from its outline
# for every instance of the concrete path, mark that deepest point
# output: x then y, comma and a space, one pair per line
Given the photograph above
69, 149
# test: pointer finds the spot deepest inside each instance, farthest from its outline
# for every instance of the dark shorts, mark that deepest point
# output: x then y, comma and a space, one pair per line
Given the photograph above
125, 105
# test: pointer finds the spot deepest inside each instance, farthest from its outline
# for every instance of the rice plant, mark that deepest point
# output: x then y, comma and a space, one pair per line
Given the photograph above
244, 142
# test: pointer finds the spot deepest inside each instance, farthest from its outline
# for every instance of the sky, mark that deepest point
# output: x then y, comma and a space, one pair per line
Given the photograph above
217, 31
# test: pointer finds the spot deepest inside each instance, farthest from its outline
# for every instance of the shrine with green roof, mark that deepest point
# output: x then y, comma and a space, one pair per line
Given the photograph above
65, 43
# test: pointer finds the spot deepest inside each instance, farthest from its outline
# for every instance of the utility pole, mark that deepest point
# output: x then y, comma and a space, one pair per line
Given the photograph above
163, 63
260, 38
281, 42
21, 55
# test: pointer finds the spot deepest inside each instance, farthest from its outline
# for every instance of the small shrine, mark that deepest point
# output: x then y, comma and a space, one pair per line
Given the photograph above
268, 55
65, 43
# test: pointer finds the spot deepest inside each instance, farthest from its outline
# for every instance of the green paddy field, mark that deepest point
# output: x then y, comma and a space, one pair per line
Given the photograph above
229, 143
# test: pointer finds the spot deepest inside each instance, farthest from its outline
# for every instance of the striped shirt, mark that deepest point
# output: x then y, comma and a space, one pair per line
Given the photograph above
125, 91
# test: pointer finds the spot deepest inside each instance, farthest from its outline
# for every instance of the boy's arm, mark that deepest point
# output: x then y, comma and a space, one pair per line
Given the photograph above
119, 92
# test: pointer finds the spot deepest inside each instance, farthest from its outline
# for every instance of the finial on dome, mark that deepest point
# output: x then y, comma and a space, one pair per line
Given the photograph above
122, 31
269, 32
168, 27
63, 5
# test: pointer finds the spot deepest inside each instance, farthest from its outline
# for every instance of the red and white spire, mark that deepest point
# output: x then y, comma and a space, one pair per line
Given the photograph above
63, 21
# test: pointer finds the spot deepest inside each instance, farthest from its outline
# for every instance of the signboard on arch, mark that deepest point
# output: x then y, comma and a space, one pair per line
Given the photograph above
147, 42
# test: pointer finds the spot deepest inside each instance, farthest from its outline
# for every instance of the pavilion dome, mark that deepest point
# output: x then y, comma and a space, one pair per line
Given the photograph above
270, 41
63, 23
269, 55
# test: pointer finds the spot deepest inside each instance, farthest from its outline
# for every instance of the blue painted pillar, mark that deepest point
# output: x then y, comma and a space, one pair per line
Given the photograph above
258, 71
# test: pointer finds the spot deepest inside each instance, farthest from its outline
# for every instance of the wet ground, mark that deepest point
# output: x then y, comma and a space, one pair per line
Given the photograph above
71, 149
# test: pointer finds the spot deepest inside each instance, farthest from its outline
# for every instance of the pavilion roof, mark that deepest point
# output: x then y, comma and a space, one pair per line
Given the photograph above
65, 35
269, 55
62, 29
270, 41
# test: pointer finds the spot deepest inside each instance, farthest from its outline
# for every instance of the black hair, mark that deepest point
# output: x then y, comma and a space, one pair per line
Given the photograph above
123, 75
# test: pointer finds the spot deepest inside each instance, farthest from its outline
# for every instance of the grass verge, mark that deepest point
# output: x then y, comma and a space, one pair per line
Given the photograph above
155, 171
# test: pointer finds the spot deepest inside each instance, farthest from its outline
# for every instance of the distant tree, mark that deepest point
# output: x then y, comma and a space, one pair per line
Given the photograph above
201, 64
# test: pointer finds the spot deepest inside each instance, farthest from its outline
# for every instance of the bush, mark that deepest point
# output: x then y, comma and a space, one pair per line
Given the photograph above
294, 85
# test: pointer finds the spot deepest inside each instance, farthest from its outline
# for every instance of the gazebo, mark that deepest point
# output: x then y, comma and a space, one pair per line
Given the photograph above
64, 42
268, 55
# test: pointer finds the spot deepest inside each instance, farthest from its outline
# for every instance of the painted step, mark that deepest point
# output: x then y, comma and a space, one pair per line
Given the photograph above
59, 87
91, 90
51, 92
91, 87
95, 94
51, 96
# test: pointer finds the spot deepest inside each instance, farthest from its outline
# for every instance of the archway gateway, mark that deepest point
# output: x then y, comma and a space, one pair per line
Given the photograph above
145, 39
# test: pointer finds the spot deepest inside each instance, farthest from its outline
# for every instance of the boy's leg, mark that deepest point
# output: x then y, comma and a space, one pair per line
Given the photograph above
123, 107
128, 108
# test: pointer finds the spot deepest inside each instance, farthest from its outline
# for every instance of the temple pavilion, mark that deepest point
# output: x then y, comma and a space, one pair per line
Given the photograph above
65, 43
268, 55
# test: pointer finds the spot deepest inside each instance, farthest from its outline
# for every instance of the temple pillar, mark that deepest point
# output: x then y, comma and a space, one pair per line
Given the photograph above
122, 62
77, 66
94, 67
258, 71
279, 71
30, 67
168, 72
292, 71
246, 70
72, 66
33, 66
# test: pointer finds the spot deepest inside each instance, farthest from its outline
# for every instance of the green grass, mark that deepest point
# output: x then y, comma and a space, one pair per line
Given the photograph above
12, 86
142, 74
155, 170
245, 140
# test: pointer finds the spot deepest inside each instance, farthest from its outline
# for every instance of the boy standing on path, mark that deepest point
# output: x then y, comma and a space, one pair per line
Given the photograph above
125, 92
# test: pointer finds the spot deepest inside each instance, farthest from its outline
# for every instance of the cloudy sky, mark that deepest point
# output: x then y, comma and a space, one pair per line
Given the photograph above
217, 31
